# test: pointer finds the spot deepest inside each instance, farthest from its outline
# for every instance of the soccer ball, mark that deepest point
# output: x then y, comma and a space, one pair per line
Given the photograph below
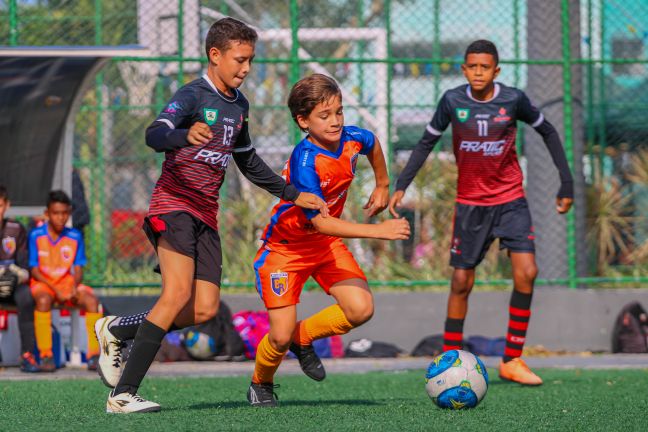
200, 345
456, 379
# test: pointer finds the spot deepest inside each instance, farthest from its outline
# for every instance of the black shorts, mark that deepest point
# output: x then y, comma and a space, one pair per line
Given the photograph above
191, 237
476, 227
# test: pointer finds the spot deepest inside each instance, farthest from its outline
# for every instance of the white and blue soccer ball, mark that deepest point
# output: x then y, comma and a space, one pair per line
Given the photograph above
456, 380
200, 345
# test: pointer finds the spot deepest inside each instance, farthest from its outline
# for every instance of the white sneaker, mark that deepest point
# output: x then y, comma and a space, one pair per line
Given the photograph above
125, 403
110, 352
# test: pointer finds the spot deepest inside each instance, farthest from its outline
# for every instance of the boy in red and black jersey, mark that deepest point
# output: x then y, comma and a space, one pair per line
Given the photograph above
203, 127
490, 201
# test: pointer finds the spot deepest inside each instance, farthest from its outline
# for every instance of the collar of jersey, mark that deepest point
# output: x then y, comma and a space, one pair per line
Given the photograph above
225, 98
49, 237
335, 155
495, 94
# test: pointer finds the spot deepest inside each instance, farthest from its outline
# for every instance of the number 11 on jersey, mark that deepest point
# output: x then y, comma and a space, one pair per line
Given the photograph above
482, 127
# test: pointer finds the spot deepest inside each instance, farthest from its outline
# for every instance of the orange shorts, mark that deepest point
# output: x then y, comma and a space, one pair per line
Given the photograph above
64, 284
281, 271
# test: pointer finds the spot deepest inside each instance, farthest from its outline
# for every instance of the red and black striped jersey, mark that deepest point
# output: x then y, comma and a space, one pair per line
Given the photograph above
192, 175
483, 137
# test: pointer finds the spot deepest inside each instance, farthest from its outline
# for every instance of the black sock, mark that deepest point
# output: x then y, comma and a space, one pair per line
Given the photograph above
519, 314
453, 334
145, 347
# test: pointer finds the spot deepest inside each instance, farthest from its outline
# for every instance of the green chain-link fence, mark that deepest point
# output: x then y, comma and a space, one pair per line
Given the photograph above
582, 62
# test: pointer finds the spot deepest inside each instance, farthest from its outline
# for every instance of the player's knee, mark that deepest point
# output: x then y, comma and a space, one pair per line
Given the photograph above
461, 287
43, 302
528, 273
360, 313
91, 303
206, 312
280, 341
462, 284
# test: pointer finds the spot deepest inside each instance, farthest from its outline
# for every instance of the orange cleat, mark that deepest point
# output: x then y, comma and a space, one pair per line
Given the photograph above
517, 371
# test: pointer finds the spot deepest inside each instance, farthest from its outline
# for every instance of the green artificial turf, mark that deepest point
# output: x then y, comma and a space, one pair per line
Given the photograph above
569, 400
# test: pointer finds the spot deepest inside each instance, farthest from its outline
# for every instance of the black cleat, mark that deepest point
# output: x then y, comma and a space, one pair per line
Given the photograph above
310, 363
47, 364
263, 395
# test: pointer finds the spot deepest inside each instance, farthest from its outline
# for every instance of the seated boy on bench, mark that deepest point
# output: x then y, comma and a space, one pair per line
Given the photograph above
56, 260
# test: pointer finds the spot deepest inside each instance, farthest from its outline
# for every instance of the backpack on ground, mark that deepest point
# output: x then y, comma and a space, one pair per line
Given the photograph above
630, 333
251, 326
365, 348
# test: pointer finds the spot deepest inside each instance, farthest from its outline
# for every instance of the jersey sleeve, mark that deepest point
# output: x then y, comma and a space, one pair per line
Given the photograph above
442, 116
80, 258
243, 142
304, 177
33, 249
22, 258
364, 137
527, 112
180, 109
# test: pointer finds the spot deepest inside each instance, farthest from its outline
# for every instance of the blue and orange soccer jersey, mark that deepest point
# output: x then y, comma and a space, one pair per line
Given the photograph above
56, 259
323, 173
293, 250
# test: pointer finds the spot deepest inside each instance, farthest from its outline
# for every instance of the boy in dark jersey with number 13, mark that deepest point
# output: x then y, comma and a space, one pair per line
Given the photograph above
490, 198
204, 125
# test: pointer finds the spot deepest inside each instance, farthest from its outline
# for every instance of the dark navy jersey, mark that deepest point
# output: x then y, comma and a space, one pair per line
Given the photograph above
14, 244
483, 137
192, 175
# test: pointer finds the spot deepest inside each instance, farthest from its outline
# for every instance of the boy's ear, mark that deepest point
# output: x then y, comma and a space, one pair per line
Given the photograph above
302, 122
214, 54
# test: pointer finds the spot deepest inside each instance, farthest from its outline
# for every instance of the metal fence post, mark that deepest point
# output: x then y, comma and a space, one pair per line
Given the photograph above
569, 142
13, 23
294, 58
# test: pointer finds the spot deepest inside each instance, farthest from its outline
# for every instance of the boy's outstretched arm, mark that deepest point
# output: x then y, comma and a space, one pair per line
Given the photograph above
417, 159
380, 196
565, 196
391, 229
259, 173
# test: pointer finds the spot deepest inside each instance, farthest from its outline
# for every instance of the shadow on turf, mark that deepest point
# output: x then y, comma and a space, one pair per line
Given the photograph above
243, 404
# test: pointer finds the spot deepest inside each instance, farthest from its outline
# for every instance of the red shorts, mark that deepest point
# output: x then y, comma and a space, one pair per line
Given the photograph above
66, 284
281, 271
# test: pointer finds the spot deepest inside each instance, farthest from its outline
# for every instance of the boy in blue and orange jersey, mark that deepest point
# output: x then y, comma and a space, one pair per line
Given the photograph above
56, 260
299, 243
202, 129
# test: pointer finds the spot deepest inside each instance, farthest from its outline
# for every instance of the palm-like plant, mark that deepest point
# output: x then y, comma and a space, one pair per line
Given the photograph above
609, 217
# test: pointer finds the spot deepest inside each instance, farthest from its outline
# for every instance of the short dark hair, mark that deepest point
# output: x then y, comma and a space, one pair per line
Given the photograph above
482, 46
58, 196
226, 30
309, 91
4, 195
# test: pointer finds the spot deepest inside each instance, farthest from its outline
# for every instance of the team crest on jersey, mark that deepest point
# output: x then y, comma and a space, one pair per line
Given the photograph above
210, 115
66, 253
9, 245
463, 114
279, 283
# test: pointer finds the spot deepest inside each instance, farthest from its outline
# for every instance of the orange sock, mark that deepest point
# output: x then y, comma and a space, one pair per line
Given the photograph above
327, 322
93, 344
43, 332
267, 361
